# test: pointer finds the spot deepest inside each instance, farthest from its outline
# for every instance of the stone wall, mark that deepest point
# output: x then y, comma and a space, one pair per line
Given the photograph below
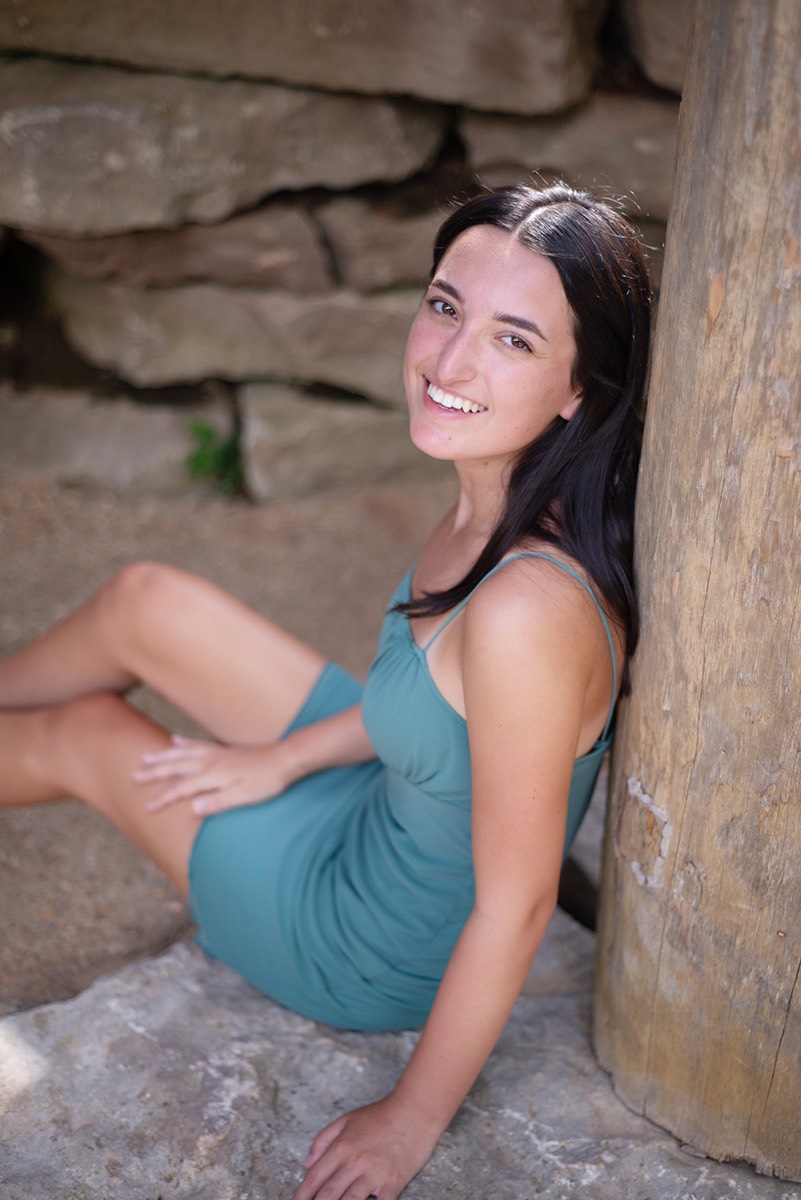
250, 197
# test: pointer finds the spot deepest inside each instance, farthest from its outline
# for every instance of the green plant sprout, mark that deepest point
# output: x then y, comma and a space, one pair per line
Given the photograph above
215, 457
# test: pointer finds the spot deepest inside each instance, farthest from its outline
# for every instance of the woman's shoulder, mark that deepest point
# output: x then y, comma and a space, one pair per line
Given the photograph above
533, 578
537, 595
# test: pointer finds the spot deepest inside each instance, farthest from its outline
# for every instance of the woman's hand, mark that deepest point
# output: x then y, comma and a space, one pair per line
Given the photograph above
372, 1151
215, 777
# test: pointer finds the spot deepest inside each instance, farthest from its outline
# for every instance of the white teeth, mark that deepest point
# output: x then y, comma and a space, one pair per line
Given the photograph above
446, 400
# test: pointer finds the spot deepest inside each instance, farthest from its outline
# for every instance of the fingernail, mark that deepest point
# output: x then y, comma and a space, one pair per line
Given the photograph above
200, 808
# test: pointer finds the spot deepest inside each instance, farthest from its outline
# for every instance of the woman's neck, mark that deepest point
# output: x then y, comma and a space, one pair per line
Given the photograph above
482, 498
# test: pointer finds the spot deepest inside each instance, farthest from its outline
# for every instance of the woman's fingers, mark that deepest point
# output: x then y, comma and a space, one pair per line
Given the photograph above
188, 766
371, 1151
341, 1184
216, 802
187, 789
178, 768
183, 758
181, 748
322, 1141
213, 777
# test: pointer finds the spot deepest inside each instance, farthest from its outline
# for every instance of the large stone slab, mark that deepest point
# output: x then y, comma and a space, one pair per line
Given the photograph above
294, 445
115, 444
618, 143
514, 56
659, 36
95, 150
168, 335
78, 901
375, 246
174, 1078
274, 246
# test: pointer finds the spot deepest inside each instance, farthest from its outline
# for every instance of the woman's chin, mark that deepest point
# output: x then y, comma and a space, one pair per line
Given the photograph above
431, 442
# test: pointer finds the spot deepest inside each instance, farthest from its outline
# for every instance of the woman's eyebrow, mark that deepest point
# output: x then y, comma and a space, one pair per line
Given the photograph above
509, 319
504, 318
446, 287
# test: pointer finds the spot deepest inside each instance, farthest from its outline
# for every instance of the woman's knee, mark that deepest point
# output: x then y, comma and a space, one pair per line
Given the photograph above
138, 587
139, 598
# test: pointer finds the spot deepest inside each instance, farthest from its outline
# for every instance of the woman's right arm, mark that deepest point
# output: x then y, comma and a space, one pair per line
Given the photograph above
215, 777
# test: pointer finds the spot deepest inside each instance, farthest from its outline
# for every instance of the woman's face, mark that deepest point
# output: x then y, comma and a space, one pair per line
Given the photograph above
490, 353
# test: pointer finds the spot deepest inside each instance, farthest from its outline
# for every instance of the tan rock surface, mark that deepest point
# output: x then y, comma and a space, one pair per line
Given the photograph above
515, 56
111, 444
619, 143
155, 336
660, 35
375, 247
295, 445
174, 1078
90, 150
275, 246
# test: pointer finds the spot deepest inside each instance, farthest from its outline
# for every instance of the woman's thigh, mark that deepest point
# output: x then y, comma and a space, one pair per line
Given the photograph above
236, 673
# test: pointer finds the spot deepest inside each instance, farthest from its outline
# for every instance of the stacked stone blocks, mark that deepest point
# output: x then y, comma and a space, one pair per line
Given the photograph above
255, 203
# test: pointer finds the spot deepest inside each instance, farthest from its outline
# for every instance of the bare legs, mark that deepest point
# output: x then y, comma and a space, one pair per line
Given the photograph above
238, 675
66, 731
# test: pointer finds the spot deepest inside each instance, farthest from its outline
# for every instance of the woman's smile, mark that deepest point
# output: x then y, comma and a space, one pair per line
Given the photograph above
451, 402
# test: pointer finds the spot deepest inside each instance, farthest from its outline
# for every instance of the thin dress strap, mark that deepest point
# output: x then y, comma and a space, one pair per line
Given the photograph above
569, 570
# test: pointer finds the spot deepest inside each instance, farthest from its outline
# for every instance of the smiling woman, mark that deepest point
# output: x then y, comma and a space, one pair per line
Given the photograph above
572, 486
387, 856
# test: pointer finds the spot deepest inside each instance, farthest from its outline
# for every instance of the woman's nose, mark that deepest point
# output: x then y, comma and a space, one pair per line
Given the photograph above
456, 359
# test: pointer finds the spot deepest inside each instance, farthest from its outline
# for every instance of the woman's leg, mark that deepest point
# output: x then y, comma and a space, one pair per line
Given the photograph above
238, 675
88, 749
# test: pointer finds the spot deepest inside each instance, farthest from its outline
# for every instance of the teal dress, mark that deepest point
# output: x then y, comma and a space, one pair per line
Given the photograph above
343, 897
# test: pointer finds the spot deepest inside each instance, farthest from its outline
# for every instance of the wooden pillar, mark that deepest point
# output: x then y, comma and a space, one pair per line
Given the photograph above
698, 1005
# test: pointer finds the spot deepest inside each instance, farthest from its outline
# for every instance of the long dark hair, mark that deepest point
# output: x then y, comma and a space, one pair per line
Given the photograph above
573, 486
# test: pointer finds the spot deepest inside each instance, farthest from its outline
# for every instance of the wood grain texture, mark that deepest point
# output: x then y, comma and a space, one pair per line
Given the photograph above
698, 1004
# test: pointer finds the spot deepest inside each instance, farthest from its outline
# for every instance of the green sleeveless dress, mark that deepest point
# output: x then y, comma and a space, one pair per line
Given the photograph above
343, 897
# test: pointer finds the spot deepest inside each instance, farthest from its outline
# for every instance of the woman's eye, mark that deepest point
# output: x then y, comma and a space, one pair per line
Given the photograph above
515, 342
440, 306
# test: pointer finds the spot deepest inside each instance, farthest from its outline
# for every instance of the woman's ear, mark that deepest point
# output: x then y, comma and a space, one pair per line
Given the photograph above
570, 408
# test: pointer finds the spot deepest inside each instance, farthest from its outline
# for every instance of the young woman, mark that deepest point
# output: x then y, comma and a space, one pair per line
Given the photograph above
388, 857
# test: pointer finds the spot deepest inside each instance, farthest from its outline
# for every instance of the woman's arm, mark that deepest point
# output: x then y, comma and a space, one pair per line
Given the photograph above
526, 664
216, 777
333, 742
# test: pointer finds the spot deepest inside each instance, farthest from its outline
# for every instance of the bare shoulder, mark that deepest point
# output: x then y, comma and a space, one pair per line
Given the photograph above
535, 600
535, 648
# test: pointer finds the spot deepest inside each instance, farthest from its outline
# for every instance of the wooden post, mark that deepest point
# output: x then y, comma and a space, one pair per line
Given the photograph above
698, 1005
